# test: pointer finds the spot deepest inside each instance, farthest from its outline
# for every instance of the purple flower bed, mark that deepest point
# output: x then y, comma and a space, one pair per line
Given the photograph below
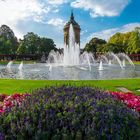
70, 113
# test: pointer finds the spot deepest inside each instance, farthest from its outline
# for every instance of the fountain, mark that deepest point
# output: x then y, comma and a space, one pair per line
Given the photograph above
20, 66
9, 64
50, 68
71, 56
124, 57
43, 58
71, 51
54, 57
21, 76
116, 58
123, 63
101, 66
109, 62
72, 65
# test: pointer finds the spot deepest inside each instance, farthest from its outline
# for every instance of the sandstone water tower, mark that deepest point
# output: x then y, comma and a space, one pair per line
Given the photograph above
76, 28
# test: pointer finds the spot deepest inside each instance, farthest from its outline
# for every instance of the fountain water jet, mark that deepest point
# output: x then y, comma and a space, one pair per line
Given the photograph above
20, 66
50, 68
109, 63
103, 57
126, 57
117, 58
123, 63
9, 64
71, 51
86, 58
101, 66
89, 63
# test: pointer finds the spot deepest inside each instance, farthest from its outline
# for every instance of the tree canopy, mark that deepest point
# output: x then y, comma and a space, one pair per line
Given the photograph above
30, 44
94, 45
8, 40
128, 42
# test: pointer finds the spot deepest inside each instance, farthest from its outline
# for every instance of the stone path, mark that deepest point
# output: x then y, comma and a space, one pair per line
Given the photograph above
123, 89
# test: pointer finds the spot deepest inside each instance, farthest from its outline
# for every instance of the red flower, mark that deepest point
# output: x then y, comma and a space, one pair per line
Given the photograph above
12, 100
15, 96
2, 97
8, 103
138, 109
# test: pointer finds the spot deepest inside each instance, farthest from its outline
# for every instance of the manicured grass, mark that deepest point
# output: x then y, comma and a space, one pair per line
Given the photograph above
31, 62
16, 62
21, 86
136, 62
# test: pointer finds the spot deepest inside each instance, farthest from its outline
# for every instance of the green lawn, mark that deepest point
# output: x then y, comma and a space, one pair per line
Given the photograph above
22, 86
16, 62
136, 62
31, 62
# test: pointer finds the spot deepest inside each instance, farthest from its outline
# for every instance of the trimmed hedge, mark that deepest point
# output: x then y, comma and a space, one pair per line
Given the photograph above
70, 113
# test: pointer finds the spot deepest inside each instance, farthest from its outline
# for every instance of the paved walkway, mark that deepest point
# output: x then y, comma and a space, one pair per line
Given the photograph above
123, 89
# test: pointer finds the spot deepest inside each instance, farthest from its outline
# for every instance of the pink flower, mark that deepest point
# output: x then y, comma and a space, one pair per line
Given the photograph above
8, 104
138, 109
131, 100
12, 100
1, 111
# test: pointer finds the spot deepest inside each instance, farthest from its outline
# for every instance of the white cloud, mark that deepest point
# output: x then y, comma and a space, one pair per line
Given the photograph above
106, 34
56, 11
12, 11
57, 2
101, 7
56, 22
83, 32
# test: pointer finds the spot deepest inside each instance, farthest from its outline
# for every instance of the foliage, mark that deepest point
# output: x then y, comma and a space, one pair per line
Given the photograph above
110, 47
30, 44
33, 44
116, 43
70, 113
94, 45
46, 45
128, 42
134, 43
8, 41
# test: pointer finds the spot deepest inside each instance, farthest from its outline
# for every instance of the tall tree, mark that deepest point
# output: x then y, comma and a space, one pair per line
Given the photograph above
46, 45
33, 44
134, 43
29, 44
8, 40
95, 45
117, 40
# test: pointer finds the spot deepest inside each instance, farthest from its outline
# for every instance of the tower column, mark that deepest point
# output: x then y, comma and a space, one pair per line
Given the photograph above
76, 28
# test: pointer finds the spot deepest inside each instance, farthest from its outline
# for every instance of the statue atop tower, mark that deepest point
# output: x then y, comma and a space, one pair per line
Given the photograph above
76, 28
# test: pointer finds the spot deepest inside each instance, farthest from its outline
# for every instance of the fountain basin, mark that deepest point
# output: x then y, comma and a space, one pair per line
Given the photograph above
68, 72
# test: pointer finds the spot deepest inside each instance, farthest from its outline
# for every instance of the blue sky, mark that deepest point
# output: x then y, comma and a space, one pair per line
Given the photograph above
97, 18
